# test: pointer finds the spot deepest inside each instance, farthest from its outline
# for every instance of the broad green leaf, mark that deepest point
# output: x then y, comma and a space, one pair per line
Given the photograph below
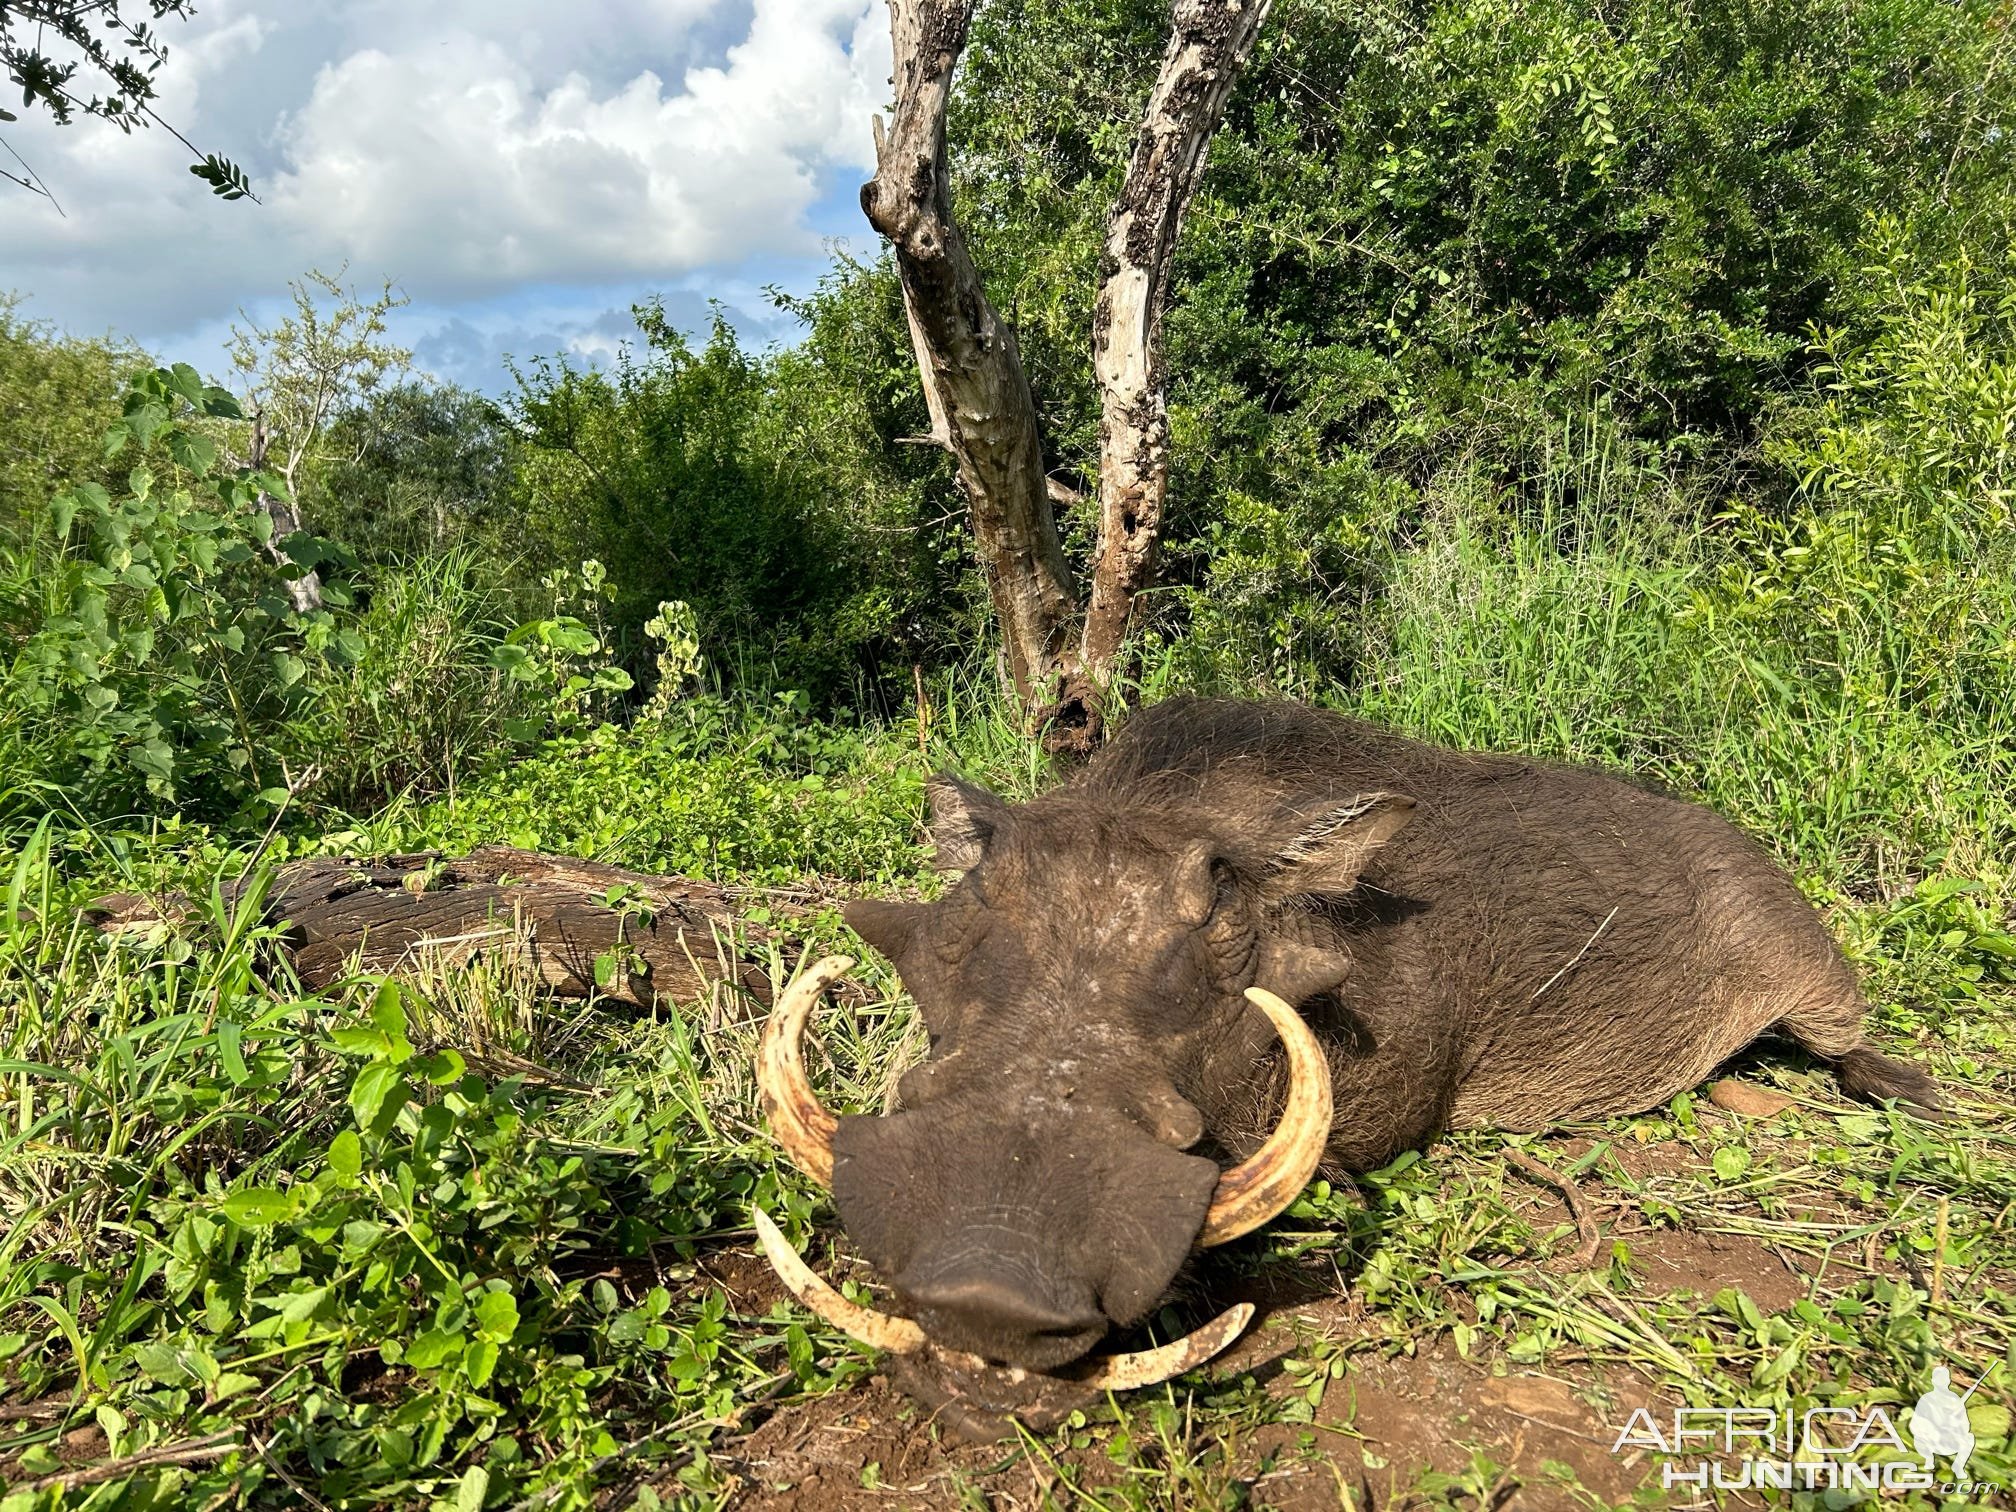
479, 1361
346, 1155
433, 1349
442, 1068
192, 450
497, 1315
257, 1207
377, 1096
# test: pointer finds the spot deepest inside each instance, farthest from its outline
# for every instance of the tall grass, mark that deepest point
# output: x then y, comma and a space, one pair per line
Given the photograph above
419, 707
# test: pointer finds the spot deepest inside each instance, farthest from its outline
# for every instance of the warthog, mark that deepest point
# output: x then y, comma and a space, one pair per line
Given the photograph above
1112, 990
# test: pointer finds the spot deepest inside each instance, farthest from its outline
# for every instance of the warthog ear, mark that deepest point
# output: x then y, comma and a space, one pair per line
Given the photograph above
963, 819
1329, 855
889, 927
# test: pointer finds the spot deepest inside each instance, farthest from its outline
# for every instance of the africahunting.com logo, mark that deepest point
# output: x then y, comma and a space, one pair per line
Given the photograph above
1821, 1448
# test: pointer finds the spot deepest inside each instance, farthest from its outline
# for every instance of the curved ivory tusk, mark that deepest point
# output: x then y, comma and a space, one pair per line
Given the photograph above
878, 1330
1256, 1189
798, 1120
1151, 1367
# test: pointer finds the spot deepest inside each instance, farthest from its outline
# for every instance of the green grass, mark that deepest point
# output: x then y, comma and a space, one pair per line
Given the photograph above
445, 1244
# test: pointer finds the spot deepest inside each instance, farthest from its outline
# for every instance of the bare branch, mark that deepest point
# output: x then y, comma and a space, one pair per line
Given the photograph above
1062, 494
981, 407
1209, 42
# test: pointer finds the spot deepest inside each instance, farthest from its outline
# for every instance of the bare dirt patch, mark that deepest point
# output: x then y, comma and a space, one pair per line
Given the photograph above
1671, 1260
1523, 1439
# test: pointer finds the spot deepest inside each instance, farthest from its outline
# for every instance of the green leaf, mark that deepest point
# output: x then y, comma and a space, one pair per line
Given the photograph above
354, 1039
1989, 1420
377, 1096
479, 1361
192, 450
288, 669
433, 1349
156, 758
497, 1315
257, 1207
230, 1050
186, 381
299, 1307
1731, 1161
475, 1487
388, 1010
226, 179
232, 1383
346, 1156
442, 1068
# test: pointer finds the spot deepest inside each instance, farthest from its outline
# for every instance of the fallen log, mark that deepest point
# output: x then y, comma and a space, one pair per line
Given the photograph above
581, 926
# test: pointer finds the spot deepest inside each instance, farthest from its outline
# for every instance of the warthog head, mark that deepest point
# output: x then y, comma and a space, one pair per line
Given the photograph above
1103, 988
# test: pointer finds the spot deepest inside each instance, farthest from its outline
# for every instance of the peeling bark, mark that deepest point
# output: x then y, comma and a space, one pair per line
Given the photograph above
981, 407
1209, 42
980, 404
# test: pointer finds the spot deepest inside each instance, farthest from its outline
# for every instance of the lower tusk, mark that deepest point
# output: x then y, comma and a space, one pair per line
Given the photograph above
1151, 1367
864, 1324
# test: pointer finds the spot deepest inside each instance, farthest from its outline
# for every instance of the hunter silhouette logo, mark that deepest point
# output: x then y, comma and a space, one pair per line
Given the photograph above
1830, 1447
1939, 1425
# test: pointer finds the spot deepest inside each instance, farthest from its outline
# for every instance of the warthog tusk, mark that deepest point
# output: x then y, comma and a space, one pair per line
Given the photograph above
1255, 1190
1122, 1372
1151, 1367
798, 1119
878, 1330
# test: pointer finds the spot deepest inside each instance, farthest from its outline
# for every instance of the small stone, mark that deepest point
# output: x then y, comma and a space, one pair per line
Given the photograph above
1752, 1102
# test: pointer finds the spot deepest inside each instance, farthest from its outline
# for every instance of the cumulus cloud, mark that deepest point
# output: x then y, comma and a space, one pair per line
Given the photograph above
453, 157
470, 149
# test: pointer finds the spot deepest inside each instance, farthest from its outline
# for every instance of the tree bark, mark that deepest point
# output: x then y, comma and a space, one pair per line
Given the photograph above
1209, 43
664, 939
981, 407
305, 591
979, 399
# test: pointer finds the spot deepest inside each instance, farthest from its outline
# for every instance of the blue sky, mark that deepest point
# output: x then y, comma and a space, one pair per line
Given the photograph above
522, 170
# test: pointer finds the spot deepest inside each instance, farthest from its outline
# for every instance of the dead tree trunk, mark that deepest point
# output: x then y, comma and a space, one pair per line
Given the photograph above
980, 404
575, 926
1062, 654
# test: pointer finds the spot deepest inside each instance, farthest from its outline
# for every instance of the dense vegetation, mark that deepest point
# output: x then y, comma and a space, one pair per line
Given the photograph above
1630, 382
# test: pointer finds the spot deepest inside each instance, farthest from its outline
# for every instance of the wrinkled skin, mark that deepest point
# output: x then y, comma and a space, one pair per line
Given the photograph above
1479, 941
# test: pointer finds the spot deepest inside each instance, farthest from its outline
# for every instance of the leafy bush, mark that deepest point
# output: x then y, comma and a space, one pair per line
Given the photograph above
415, 470
419, 703
678, 471
151, 651
57, 396
715, 789
238, 1210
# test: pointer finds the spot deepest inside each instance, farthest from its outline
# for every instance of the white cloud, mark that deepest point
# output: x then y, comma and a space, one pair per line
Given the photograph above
469, 149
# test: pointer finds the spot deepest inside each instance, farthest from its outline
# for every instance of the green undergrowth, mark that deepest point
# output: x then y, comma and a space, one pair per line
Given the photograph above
446, 1243
449, 1243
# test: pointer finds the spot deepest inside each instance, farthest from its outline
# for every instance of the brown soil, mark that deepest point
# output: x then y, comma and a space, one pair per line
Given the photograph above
1526, 1439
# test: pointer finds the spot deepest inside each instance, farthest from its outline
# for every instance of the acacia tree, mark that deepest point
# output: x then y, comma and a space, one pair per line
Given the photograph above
1063, 644
297, 376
